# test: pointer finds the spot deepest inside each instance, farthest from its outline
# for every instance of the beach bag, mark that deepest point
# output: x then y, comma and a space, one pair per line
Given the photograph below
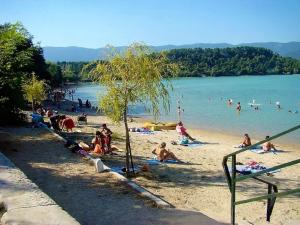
184, 141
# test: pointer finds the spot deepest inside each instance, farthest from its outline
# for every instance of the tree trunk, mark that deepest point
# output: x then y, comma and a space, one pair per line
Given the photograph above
32, 106
129, 161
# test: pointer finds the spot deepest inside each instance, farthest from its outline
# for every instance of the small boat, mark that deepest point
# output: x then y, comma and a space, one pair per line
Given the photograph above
160, 126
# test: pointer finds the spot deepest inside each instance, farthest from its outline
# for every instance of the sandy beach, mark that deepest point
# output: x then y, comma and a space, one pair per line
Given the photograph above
198, 184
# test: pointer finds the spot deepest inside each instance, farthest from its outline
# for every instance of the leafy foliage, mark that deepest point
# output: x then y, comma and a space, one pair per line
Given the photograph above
232, 61
35, 90
19, 57
133, 77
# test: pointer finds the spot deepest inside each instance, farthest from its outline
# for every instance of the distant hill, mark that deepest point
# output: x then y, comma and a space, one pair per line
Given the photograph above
76, 54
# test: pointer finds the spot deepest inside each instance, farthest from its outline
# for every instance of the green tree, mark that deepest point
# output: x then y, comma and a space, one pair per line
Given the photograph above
35, 90
19, 57
55, 72
131, 78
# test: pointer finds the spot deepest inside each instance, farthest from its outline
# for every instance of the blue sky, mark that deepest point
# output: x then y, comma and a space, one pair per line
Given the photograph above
95, 23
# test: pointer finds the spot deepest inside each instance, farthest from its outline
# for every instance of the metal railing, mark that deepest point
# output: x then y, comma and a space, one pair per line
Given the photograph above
232, 178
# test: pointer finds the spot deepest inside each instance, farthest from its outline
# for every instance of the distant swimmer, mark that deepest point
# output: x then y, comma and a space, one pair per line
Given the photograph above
278, 105
256, 108
238, 107
293, 111
229, 102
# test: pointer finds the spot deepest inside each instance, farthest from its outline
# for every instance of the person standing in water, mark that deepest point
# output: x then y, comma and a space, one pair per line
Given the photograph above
238, 107
278, 105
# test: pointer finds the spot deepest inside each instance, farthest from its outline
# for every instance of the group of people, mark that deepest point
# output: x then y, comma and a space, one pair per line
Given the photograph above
238, 106
87, 103
267, 146
61, 122
163, 154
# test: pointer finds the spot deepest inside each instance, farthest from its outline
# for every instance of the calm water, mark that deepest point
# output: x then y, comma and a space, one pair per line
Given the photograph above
204, 101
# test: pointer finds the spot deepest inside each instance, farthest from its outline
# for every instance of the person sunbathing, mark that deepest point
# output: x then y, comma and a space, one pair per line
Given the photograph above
163, 154
268, 146
98, 143
246, 142
182, 131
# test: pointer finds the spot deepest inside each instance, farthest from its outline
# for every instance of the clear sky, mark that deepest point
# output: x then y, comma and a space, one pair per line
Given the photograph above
95, 23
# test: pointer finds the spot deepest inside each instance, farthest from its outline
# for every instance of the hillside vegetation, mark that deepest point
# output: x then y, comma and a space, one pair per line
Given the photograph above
232, 61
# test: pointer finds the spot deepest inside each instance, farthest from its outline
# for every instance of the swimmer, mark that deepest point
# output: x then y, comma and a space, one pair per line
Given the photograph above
238, 107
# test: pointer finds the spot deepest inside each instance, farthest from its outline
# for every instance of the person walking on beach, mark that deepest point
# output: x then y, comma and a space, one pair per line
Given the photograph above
80, 103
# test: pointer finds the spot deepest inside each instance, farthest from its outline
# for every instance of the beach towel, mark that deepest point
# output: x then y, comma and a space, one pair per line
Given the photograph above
194, 144
141, 131
261, 151
155, 161
252, 167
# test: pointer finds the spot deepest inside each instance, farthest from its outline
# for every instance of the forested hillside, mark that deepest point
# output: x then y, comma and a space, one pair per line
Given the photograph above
232, 61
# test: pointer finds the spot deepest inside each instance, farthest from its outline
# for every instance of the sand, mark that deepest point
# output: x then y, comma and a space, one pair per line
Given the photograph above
196, 185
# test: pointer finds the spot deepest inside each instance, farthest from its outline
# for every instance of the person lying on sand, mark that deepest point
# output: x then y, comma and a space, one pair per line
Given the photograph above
246, 142
268, 146
182, 131
163, 154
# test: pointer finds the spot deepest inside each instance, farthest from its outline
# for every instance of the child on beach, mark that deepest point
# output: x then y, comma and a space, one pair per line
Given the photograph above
163, 154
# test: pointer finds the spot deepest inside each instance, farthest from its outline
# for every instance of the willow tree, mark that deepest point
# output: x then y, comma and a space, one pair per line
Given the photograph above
135, 76
34, 90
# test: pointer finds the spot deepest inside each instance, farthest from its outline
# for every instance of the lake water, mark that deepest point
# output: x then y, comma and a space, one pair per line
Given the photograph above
204, 101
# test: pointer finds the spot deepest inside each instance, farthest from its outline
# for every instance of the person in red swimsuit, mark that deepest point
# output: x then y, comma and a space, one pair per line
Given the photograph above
67, 123
182, 131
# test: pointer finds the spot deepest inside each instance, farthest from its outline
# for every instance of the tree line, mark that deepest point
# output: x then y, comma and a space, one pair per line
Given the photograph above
232, 62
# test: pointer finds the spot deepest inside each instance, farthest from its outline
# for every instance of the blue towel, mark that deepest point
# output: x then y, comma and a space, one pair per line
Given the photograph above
194, 144
157, 162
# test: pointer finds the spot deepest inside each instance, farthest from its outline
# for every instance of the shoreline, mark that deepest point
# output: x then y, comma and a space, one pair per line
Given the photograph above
197, 131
